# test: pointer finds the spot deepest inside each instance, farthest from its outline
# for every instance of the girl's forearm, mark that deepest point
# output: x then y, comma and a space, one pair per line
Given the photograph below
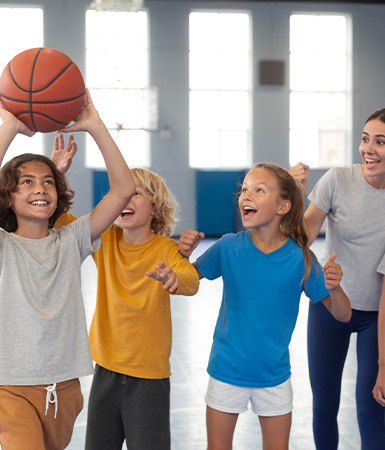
340, 307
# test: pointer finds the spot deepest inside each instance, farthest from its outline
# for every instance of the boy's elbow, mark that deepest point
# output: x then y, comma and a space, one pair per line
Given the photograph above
194, 287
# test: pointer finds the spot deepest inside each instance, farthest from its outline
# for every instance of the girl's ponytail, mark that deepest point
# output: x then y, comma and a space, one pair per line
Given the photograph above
292, 224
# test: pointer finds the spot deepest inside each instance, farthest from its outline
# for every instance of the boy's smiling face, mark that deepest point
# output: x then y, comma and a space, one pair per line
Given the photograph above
138, 213
36, 195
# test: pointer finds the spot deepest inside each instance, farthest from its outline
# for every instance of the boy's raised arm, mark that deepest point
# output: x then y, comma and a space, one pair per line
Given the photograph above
122, 185
10, 127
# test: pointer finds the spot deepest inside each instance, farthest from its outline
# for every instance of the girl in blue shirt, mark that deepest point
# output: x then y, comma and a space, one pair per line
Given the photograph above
264, 270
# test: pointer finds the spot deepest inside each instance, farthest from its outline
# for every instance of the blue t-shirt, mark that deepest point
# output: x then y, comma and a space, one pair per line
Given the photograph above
261, 294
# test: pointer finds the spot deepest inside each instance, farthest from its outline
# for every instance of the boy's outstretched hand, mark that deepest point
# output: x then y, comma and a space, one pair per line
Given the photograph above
189, 241
10, 120
87, 117
332, 273
62, 155
165, 275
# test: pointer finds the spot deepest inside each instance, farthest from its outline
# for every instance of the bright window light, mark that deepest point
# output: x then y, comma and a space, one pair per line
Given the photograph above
25, 26
119, 85
220, 90
319, 90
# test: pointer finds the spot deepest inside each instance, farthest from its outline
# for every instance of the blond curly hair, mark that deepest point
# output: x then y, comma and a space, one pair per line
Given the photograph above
163, 201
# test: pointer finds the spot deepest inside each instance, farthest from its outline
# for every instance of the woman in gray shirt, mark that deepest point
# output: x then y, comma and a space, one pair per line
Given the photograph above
352, 199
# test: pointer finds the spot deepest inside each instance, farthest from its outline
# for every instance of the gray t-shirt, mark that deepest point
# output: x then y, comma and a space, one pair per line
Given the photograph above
381, 266
355, 230
43, 332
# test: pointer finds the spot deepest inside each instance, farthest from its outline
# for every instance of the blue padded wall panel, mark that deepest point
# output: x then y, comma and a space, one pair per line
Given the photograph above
101, 185
216, 201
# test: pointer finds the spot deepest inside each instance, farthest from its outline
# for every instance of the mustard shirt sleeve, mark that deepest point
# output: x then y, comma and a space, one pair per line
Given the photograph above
186, 273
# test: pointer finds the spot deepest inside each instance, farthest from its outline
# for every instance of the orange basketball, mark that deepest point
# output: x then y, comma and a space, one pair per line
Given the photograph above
43, 88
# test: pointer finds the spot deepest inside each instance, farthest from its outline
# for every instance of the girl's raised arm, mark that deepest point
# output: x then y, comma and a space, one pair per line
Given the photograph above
122, 185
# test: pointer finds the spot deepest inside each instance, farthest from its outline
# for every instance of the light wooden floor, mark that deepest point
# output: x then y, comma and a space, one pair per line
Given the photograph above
193, 325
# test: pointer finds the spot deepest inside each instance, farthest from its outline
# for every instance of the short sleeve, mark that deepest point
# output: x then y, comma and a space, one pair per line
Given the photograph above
322, 194
381, 266
209, 263
315, 288
82, 230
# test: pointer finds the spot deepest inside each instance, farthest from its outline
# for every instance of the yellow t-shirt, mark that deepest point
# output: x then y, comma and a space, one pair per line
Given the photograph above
64, 220
131, 329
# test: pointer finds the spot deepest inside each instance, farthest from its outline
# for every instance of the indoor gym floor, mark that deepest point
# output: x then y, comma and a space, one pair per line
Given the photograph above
193, 324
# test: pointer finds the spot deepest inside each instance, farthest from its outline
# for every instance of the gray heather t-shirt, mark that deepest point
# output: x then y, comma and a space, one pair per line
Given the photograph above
381, 266
355, 230
43, 333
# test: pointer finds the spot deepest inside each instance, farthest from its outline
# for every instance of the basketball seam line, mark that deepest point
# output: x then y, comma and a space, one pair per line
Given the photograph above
30, 90
41, 103
30, 93
41, 114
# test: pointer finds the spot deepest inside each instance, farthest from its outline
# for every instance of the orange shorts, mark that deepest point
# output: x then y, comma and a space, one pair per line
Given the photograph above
27, 416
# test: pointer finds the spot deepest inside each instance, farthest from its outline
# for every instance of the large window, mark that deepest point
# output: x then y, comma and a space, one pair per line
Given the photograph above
21, 29
319, 89
220, 90
117, 76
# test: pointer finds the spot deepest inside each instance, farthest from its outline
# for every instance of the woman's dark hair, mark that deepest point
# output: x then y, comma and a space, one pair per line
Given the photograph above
379, 114
9, 179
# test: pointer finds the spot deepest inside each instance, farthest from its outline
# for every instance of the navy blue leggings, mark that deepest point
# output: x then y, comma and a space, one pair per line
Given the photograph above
328, 342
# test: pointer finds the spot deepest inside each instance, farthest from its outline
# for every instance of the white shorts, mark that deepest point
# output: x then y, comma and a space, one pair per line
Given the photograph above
269, 401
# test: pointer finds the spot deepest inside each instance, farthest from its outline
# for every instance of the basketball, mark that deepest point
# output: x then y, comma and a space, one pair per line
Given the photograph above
43, 88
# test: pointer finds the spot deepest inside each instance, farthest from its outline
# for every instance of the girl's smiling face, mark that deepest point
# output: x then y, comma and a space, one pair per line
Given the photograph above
372, 150
36, 196
259, 203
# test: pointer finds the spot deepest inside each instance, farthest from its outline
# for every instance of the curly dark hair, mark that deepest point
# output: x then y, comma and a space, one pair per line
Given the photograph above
9, 178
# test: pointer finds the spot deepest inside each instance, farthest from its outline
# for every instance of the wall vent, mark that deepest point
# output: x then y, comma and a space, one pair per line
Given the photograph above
271, 73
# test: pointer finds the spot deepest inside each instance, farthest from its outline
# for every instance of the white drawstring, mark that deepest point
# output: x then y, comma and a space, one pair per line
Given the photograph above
51, 392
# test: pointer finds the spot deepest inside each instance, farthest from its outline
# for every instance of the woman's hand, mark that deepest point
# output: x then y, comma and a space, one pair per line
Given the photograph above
300, 173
